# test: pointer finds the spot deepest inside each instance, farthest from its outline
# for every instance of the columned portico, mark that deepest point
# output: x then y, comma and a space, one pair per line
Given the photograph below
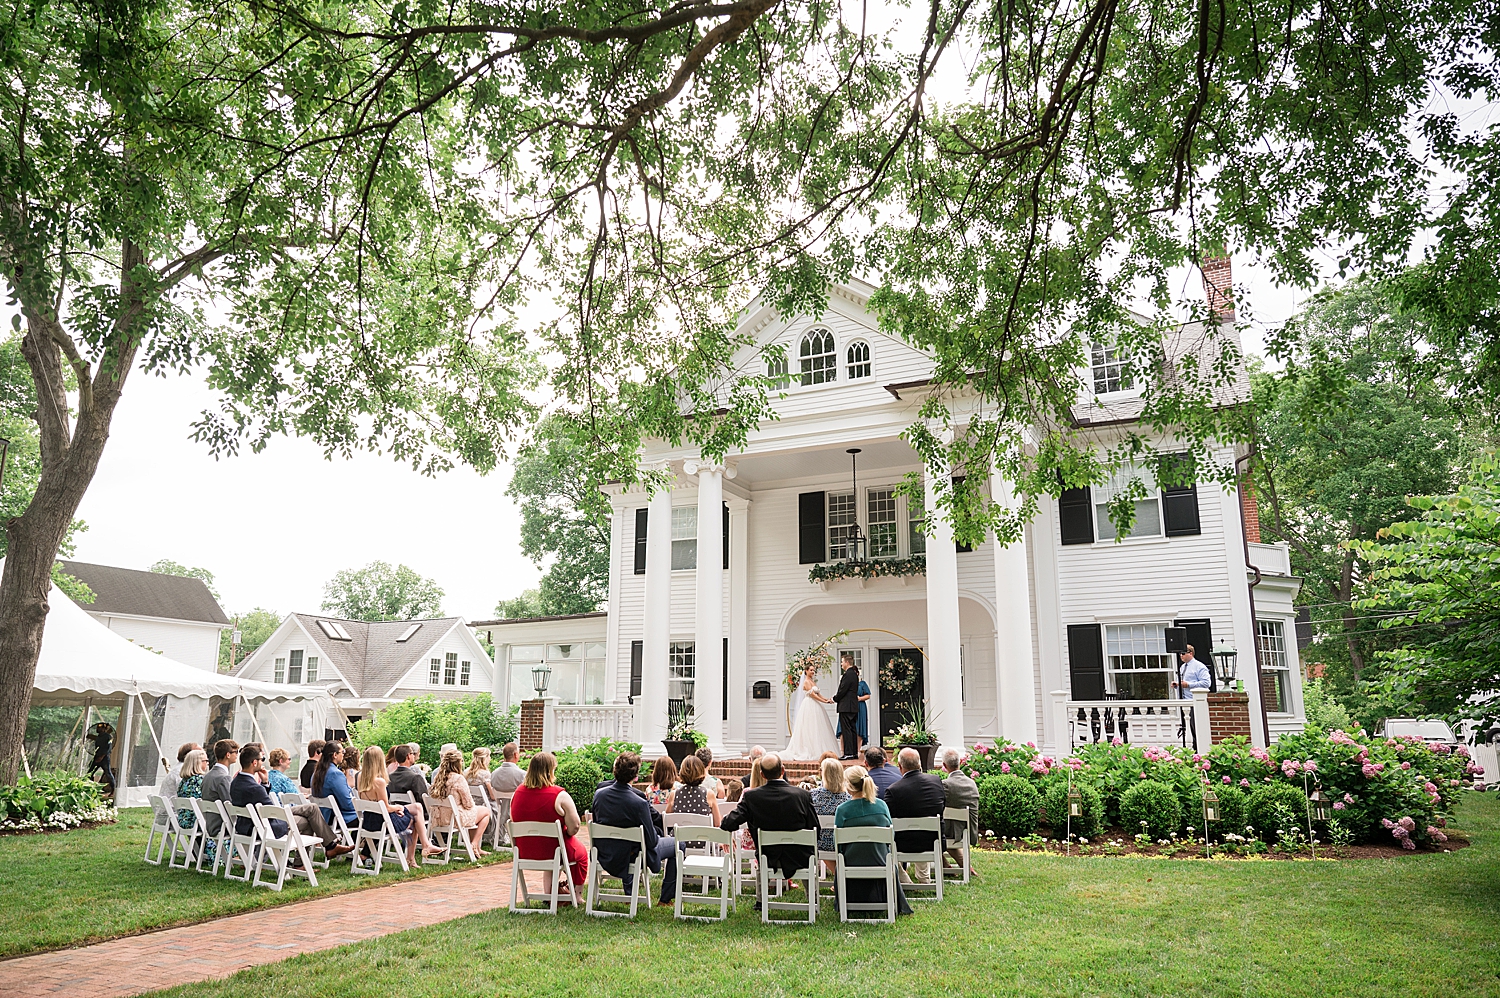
945, 680
651, 706
708, 614
1015, 682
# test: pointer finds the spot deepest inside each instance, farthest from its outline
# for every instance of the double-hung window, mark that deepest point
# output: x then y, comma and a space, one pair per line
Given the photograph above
858, 356
684, 537
280, 670
776, 371
312, 669
450, 668
880, 510
294, 667
916, 517
434, 671
1276, 669
681, 672
1140, 667
464, 669
1147, 503
1111, 370
843, 519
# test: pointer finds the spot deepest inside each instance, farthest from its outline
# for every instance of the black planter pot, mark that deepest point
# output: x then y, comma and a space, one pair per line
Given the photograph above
679, 750
927, 752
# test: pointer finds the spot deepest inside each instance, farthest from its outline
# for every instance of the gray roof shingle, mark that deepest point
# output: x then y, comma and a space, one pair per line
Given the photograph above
372, 660
146, 594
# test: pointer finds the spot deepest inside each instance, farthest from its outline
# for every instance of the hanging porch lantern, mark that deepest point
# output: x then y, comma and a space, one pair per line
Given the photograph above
1319, 804
1075, 802
1210, 804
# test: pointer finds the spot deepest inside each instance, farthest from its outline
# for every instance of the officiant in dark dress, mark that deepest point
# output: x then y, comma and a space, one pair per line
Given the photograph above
847, 701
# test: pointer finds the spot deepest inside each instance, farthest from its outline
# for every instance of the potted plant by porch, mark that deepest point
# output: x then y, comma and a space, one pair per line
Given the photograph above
682, 738
916, 732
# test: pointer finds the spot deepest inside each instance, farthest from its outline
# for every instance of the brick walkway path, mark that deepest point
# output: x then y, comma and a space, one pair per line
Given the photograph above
213, 949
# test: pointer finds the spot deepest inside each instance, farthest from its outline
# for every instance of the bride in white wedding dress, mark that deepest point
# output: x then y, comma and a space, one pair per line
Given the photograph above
812, 732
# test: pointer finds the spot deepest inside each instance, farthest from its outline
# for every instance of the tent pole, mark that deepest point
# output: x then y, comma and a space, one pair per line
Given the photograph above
146, 716
26, 765
83, 742
261, 735
124, 739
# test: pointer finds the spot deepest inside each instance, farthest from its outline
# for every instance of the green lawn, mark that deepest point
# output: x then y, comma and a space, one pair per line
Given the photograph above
1416, 926
82, 886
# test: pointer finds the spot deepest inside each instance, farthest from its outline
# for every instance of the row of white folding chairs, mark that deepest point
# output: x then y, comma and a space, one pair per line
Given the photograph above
254, 851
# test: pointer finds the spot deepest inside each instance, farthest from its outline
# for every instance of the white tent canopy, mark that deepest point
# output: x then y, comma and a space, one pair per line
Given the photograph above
163, 702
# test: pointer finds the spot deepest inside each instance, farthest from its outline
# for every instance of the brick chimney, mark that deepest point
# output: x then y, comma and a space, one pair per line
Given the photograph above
1250, 509
1218, 287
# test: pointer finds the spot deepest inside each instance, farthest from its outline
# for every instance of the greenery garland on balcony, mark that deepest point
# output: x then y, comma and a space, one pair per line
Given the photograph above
892, 567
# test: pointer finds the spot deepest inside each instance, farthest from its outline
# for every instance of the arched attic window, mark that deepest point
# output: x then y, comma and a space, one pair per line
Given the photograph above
858, 358
819, 357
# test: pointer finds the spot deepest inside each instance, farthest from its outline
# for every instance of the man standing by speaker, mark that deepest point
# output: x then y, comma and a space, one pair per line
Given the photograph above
847, 700
1191, 675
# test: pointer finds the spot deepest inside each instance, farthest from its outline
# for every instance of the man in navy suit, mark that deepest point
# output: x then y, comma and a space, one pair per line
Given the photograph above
847, 699
616, 803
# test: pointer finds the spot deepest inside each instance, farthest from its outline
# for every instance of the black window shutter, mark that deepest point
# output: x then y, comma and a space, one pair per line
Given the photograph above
641, 516
637, 652
959, 546
1086, 661
726, 535
812, 533
725, 700
1179, 503
1075, 513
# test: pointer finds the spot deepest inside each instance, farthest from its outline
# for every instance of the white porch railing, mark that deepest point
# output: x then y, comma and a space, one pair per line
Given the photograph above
573, 725
1137, 722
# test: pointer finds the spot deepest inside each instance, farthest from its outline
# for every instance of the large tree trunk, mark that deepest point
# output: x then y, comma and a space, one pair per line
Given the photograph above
70, 456
1351, 622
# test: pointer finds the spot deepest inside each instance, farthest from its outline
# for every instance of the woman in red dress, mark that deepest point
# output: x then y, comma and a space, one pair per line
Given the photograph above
539, 799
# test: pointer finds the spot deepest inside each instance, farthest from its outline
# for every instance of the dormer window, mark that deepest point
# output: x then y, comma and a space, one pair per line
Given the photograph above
819, 358
1110, 370
858, 357
776, 371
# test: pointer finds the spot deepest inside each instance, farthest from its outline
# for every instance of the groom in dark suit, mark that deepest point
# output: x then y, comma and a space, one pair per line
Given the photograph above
847, 700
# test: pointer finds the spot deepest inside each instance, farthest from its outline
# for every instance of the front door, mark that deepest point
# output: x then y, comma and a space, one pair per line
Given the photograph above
894, 702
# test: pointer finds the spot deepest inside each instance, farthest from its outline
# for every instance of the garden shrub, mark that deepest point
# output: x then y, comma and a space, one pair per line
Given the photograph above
1272, 805
1056, 803
52, 800
1231, 810
1008, 805
471, 722
1152, 802
601, 753
580, 777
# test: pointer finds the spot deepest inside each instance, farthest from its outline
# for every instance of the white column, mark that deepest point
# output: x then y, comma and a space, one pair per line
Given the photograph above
651, 707
736, 735
502, 674
944, 682
708, 616
1015, 682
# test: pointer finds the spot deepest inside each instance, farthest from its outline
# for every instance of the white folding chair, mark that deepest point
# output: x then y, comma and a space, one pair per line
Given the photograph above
959, 816
827, 856
186, 842
397, 797
809, 875
290, 799
280, 849
219, 841
481, 794
163, 829
744, 869
556, 867
442, 831
501, 802
716, 860
846, 871
935, 856
337, 823
244, 847
638, 871
382, 842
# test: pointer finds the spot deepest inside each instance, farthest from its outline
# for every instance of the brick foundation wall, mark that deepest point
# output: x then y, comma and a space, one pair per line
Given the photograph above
1228, 715
530, 739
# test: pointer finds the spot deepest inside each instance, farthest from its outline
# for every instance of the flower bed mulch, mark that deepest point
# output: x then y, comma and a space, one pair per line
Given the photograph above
54, 830
1100, 847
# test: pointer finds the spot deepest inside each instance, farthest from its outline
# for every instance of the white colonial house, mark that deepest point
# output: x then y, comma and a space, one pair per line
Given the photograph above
709, 587
170, 614
366, 665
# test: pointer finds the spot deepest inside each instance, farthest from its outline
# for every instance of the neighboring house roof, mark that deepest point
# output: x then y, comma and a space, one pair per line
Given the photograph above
477, 624
135, 593
373, 659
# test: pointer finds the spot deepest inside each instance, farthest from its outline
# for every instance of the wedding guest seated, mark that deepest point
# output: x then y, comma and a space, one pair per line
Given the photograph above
372, 786
449, 784
541, 799
314, 753
279, 761
862, 809
328, 781
508, 776
390, 761
618, 803
828, 795
479, 766
733, 790
915, 795
663, 779
405, 780
757, 752
216, 782
249, 787
167, 787
959, 790
777, 807
711, 784
882, 772
190, 783
691, 796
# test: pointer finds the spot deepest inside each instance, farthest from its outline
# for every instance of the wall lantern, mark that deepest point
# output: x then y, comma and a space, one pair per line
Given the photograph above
539, 676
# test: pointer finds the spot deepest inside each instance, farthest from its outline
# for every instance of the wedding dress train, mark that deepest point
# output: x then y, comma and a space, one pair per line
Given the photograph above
812, 732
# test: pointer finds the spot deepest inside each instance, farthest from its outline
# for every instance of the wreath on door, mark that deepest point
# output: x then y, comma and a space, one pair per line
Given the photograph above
898, 676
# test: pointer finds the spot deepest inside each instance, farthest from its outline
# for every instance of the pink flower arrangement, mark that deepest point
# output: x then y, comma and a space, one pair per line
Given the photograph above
1228, 780
1309, 766
1244, 782
1117, 741
1005, 767
1289, 767
981, 749
1039, 767
1406, 765
1372, 769
1341, 738
974, 774
1339, 805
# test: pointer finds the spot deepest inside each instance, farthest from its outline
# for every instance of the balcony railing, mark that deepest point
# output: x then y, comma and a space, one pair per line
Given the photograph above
1135, 722
574, 725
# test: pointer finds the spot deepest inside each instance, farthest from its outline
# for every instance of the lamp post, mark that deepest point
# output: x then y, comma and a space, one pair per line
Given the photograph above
1225, 660
539, 676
